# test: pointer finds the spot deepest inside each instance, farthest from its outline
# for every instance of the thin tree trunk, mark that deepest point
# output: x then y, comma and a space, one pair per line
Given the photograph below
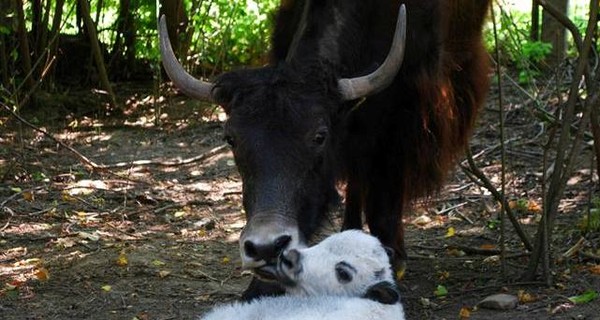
24, 45
54, 36
91, 30
555, 33
534, 34
43, 38
6, 8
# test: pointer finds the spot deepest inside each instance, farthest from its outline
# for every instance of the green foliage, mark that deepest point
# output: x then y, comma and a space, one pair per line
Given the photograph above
591, 220
516, 47
230, 33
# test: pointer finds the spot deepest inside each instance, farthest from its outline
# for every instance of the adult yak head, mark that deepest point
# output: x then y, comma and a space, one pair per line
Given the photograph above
282, 128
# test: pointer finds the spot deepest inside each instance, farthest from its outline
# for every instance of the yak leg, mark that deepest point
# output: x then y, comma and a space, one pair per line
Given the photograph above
384, 217
353, 210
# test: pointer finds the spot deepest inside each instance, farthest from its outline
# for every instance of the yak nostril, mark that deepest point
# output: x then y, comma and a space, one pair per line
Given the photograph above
281, 243
250, 249
267, 252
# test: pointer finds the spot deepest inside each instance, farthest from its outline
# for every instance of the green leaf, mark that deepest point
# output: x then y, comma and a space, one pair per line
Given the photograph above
586, 297
441, 291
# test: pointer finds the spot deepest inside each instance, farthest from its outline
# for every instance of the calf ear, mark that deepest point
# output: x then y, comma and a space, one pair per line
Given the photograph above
383, 292
390, 253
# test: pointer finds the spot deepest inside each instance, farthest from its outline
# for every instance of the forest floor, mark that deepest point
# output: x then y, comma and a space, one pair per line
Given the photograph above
154, 237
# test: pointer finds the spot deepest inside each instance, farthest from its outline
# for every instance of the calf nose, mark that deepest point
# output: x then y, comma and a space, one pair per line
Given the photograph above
291, 260
266, 251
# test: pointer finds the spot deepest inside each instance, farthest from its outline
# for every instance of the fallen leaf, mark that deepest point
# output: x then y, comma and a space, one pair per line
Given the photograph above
464, 313
595, 269
225, 260
158, 263
163, 273
421, 221
106, 288
534, 207
42, 274
500, 301
122, 259
450, 233
28, 196
492, 259
488, 246
443, 275
88, 236
525, 297
64, 243
440, 291
65, 196
400, 274
586, 297
454, 252
179, 214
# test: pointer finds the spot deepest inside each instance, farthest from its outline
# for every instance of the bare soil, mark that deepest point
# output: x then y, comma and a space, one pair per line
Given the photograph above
158, 240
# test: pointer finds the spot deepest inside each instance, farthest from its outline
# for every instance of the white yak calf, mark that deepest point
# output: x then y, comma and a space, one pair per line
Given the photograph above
346, 276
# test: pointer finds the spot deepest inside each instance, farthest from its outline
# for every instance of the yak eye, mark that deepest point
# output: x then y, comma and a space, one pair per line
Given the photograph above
229, 140
343, 272
320, 137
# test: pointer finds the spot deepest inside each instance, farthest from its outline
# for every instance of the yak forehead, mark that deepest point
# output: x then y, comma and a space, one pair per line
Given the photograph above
277, 97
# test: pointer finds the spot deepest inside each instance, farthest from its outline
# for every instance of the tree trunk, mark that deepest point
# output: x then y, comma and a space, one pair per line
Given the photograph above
24, 45
177, 22
555, 33
97, 52
123, 53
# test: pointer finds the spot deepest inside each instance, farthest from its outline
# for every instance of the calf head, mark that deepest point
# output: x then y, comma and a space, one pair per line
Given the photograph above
351, 263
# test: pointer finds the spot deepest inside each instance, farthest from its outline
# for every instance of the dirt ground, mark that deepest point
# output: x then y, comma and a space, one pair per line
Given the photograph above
155, 235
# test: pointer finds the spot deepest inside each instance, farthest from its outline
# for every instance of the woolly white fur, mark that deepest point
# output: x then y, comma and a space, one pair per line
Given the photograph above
318, 294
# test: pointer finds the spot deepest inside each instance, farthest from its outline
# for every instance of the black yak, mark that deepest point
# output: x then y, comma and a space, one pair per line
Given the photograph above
327, 112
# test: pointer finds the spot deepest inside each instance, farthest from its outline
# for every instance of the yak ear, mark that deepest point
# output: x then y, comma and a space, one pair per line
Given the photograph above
383, 292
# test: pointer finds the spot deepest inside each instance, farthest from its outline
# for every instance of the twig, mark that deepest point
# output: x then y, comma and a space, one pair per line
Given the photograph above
479, 177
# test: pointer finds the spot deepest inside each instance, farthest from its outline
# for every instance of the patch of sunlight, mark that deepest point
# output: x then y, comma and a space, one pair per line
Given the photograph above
28, 228
86, 187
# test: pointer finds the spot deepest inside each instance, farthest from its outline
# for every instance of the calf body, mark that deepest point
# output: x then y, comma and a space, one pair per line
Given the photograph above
346, 276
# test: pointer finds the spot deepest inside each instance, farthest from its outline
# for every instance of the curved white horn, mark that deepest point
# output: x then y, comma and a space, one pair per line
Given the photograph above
354, 88
189, 85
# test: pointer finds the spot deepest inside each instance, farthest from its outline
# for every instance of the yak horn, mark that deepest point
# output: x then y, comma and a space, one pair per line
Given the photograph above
189, 85
354, 88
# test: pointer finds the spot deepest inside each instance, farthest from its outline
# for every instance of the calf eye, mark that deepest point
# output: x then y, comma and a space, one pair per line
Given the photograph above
344, 272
